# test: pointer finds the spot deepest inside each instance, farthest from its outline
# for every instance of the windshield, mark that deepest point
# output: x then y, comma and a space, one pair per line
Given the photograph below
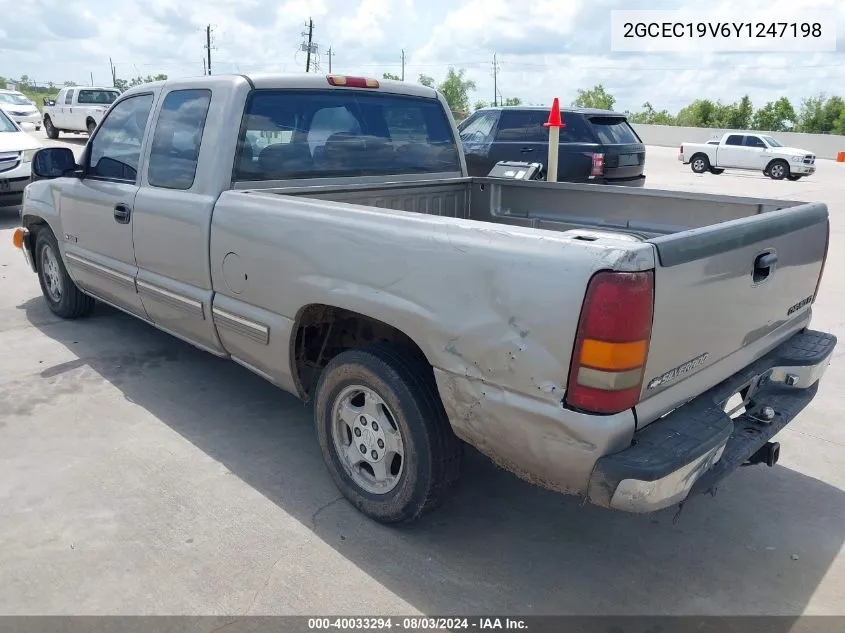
771, 141
14, 99
6, 124
341, 133
97, 97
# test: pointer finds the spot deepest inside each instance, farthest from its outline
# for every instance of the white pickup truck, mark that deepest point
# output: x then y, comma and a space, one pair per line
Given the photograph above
77, 109
745, 150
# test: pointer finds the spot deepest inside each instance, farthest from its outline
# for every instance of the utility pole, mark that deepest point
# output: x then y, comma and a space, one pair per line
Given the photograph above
113, 73
495, 81
403, 64
92, 78
330, 53
204, 71
310, 26
208, 46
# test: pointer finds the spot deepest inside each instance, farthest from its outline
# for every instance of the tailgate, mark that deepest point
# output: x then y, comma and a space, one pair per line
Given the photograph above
725, 295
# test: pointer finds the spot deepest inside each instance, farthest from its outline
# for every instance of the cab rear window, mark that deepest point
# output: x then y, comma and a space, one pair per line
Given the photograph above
614, 131
288, 134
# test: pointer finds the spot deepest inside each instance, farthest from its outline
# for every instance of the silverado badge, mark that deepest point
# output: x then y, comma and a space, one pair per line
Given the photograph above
681, 369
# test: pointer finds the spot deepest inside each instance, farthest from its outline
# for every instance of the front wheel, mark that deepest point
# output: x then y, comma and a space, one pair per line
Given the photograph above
384, 434
62, 295
778, 170
50, 129
700, 163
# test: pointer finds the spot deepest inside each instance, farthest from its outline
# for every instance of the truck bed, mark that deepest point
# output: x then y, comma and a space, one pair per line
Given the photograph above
640, 214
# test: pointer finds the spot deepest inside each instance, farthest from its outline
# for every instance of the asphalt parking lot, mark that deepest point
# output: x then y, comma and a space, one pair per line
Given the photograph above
139, 475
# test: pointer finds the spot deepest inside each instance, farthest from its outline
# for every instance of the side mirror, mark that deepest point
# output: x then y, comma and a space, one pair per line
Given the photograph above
49, 102
53, 162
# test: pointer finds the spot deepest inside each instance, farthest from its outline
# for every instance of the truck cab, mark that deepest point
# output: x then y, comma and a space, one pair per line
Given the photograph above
77, 109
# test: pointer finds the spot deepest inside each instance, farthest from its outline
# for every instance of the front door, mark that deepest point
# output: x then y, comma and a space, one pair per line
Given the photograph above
520, 137
96, 210
732, 152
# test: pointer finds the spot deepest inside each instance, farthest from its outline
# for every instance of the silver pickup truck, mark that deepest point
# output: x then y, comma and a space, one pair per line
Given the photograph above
631, 347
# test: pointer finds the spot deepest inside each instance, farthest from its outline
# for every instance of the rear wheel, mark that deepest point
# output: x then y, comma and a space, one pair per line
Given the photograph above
778, 170
62, 295
384, 433
91, 126
699, 163
51, 131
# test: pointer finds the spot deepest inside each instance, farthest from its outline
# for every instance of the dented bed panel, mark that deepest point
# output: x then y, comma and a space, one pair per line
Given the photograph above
495, 304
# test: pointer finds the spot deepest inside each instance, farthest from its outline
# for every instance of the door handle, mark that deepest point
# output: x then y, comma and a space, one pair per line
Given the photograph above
121, 213
525, 150
763, 265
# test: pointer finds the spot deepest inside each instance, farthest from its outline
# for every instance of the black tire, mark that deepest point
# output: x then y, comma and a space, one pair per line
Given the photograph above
716, 171
49, 129
432, 454
777, 169
90, 126
794, 177
71, 303
699, 163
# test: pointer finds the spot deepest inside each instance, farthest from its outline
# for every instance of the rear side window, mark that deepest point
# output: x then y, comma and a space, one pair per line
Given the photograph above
97, 97
525, 126
177, 139
576, 130
614, 131
341, 133
734, 139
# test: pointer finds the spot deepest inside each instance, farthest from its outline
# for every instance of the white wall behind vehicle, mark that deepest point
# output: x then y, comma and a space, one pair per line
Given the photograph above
822, 145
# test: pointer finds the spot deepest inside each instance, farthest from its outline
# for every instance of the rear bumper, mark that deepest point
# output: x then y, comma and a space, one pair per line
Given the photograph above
697, 445
638, 181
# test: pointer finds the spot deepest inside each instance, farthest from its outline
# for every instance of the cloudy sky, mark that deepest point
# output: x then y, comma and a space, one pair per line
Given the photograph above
545, 48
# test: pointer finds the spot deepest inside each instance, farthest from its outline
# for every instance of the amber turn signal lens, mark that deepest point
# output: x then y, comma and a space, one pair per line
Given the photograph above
17, 238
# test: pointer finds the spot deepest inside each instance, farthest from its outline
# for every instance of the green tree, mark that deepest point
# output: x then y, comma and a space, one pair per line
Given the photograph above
596, 97
123, 84
390, 76
512, 101
775, 116
699, 113
651, 116
819, 114
455, 89
480, 104
425, 80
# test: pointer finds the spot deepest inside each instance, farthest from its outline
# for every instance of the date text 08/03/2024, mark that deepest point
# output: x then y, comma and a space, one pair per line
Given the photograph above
415, 623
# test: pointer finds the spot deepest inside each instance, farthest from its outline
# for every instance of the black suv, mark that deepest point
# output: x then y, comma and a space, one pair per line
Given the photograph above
596, 146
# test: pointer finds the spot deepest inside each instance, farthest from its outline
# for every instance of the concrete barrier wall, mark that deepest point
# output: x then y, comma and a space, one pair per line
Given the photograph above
823, 145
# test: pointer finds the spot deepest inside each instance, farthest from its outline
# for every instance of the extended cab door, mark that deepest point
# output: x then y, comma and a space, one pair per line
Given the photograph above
731, 153
172, 218
66, 110
96, 210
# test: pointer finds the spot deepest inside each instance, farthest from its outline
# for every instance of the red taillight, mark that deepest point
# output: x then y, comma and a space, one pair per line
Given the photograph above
598, 165
611, 346
352, 82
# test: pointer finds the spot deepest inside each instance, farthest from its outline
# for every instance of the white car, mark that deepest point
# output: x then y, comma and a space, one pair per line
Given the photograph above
17, 149
20, 109
749, 150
